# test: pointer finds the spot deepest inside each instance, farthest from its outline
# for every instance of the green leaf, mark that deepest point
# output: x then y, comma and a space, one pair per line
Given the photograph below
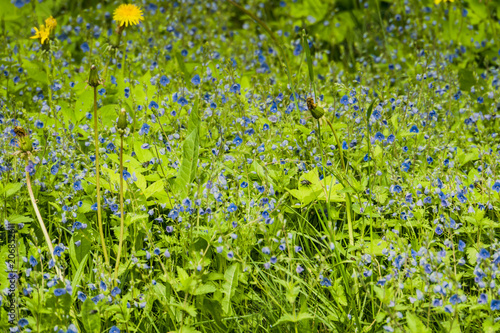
15, 219
11, 189
205, 289
490, 327
308, 59
79, 274
84, 103
90, 317
154, 188
189, 164
466, 79
415, 324
229, 286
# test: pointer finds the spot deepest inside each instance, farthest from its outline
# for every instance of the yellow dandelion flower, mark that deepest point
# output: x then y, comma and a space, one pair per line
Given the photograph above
127, 15
437, 2
51, 23
42, 34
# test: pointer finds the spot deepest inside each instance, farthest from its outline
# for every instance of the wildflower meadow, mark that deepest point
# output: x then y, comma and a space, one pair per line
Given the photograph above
249, 166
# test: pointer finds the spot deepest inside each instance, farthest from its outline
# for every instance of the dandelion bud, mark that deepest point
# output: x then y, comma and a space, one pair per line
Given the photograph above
93, 77
316, 111
122, 122
23, 139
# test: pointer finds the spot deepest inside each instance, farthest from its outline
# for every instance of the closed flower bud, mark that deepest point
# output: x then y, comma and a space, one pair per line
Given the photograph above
122, 122
93, 77
23, 139
317, 112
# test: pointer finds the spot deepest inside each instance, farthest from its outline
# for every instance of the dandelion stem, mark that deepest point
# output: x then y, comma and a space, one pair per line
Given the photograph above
348, 202
42, 225
122, 223
98, 179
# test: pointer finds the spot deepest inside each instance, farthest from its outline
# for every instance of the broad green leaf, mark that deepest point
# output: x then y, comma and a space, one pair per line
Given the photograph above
90, 317
84, 104
189, 164
415, 324
229, 286
15, 219
154, 188
205, 289
11, 189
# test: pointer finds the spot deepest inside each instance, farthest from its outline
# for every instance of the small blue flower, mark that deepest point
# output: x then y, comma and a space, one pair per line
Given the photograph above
344, 100
77, 186
414, 129
164, 80
266, 250
115, 292
496, 186
232, 208
483, 254
85, 47
237, 141
59, 292
196, 80
81, 296
325, 282
114, 329
379, 137
33, 261
482, 299
495, 305
461, 245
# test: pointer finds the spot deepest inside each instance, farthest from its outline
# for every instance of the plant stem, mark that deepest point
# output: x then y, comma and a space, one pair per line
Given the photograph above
122, 224
42, 225
98, 178
348, 202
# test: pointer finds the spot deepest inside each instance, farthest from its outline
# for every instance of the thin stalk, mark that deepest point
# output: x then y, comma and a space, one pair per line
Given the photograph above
42, 225
122, 223
348, 201
98, 180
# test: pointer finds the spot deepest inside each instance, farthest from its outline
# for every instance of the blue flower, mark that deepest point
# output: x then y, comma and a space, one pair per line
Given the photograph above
232, 208
379, 136
59, 292
153, 105
230, 255
495, 305
483, 254
496, 186
115, 292
114, 329
297, 50
77, 186
33, 261
455, 299
326, 282
85, 47
164, 80
144, 129
461, 245
196, 80
237, 141
58, 250
414, 129
482, 299
439, 229
344, 100
23, 322
81, 296
266, 250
